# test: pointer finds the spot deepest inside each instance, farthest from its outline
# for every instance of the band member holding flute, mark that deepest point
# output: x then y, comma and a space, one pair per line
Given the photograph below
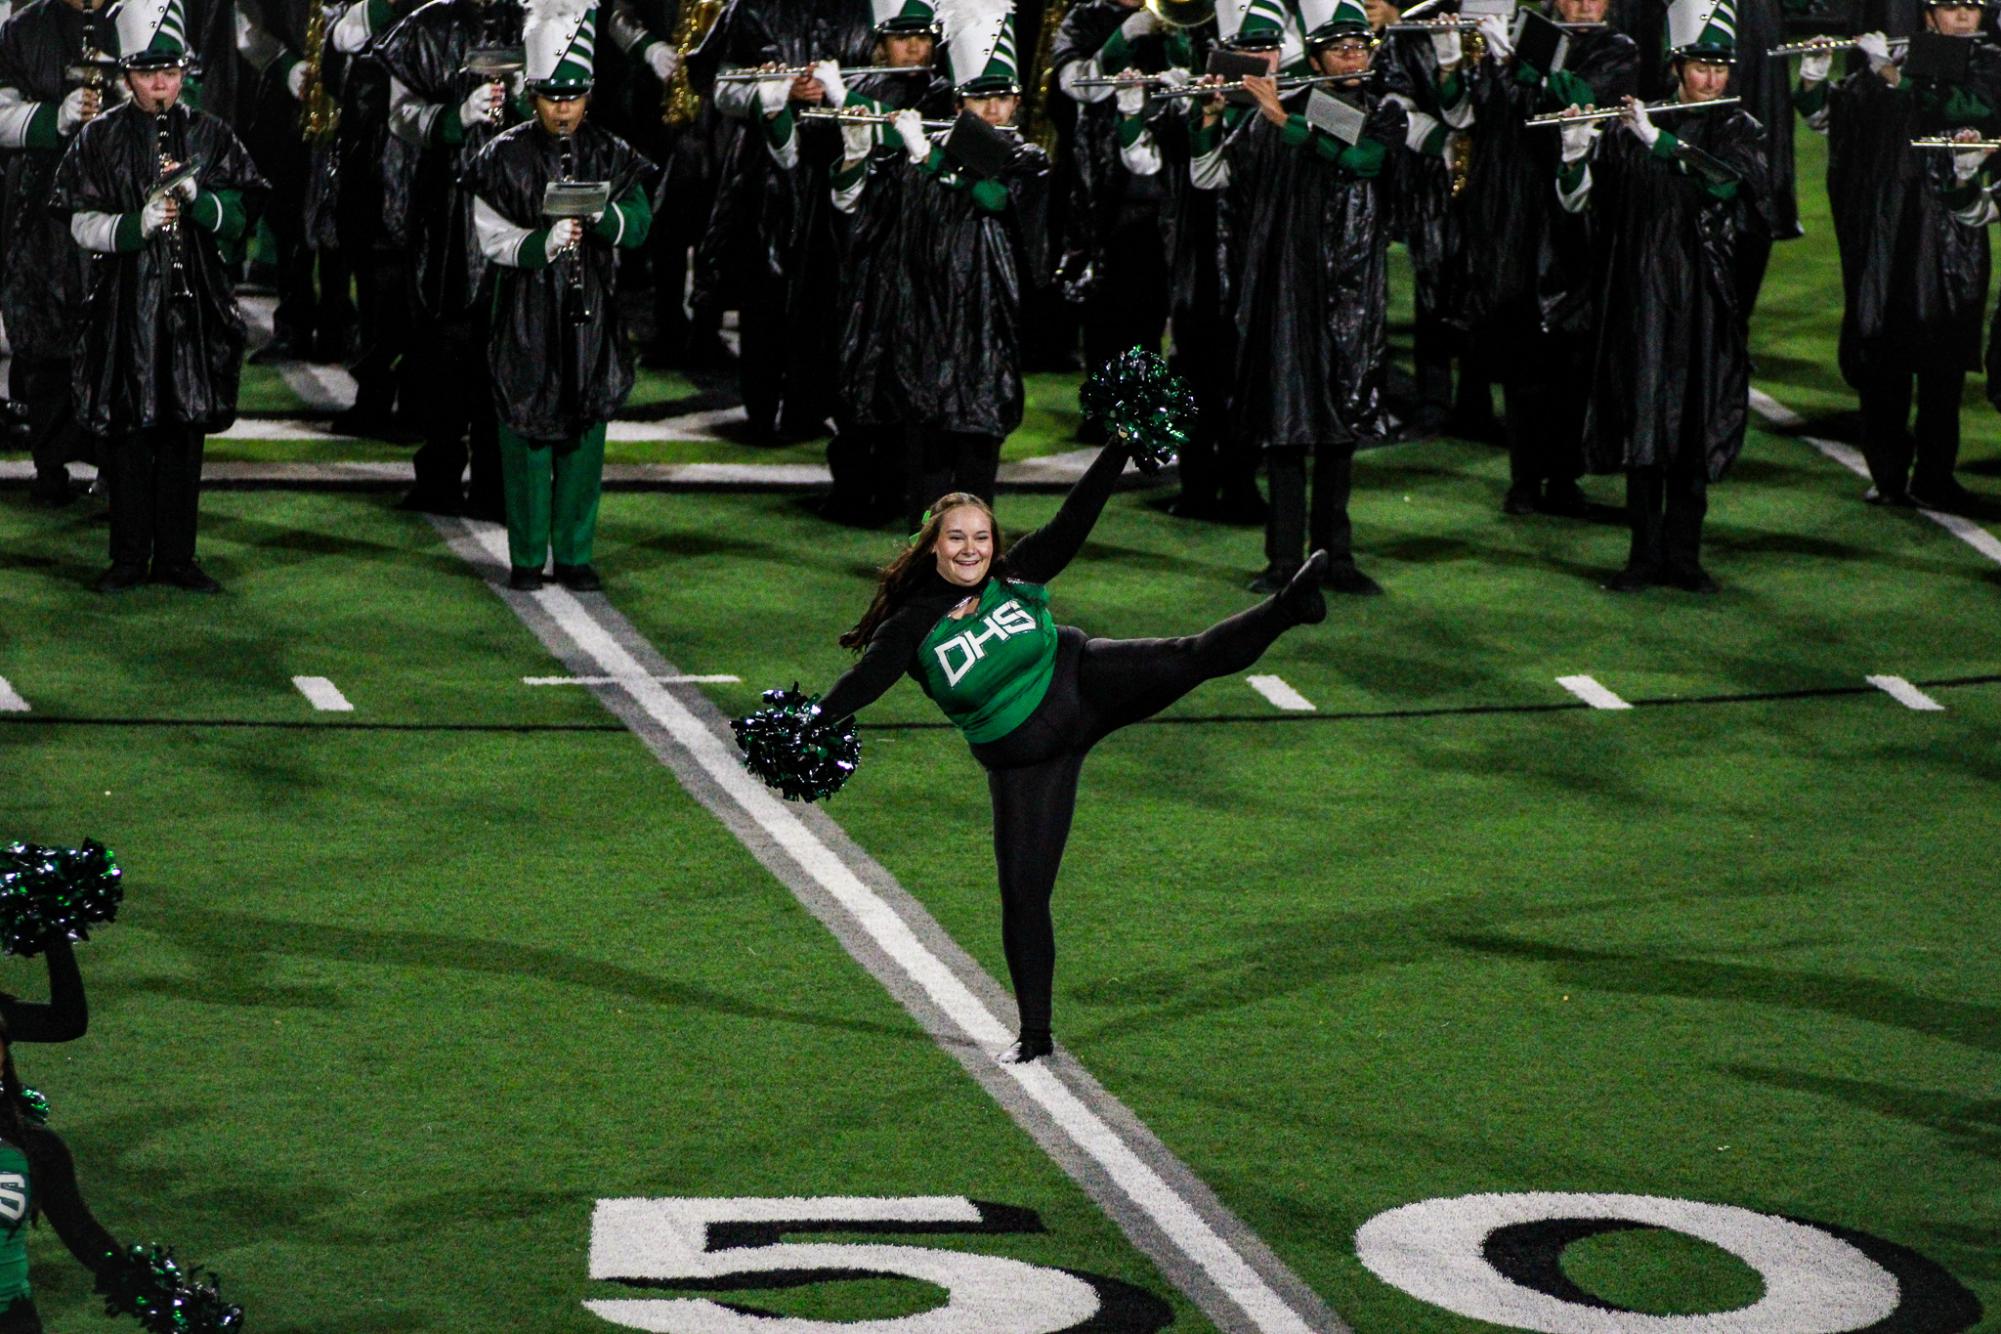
449, 95
557, 350
53, 81
154, 191
1670, 378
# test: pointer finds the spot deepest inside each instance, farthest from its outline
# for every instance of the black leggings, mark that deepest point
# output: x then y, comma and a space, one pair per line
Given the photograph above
1100, 686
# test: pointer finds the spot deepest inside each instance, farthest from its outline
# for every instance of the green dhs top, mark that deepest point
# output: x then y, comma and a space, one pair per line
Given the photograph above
13, 1224
989, 670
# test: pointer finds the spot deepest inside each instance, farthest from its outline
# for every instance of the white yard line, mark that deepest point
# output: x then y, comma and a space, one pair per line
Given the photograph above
322, 388
10, 699
1906, 694
323, 694
1278, 694
619, 680
1591, 692
1178, 1220
1783, 417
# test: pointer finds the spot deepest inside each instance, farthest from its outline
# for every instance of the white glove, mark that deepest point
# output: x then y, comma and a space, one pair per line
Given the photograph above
1967, 162
153, 217
295, 81
1815, 66
1140, 23
188, 189
1577, 139
857, 141
1876, 47
1176, 77
1447, 47
1495, 30
477, 109
69, 116
663, 60
1643, 128
909, 127
562, 235
829, 75
772, 95
1131, 99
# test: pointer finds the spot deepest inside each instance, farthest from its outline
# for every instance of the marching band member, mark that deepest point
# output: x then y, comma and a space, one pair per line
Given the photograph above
1311, 284
1670, 385
557, 348
1525, 280
41, 110
154, 190
446, 112
965, 243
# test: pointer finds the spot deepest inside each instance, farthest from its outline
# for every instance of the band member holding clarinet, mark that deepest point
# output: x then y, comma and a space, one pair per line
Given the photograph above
53, 80
155, 191
1670, 379
553, 199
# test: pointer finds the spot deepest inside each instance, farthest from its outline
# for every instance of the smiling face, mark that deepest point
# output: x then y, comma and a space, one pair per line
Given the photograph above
965, 546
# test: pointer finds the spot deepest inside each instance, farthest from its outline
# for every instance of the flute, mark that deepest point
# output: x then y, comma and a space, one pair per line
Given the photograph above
1613, 113
791, 72
1131, 80
1288, 83
858, 116
1814, 45
1945, 141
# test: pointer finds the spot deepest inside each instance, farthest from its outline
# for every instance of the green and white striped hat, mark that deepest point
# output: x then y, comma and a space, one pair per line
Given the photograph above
559, 38
1327, 20
1703, 29
152, 33
981, 37
1261, 25
908, 16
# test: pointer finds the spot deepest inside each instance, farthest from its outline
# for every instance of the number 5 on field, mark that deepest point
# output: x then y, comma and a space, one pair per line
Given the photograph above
671, 1242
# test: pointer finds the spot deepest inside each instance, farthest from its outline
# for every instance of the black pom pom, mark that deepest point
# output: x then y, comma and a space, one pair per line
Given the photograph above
1141, 403
51, 894
792, 748
147, 1283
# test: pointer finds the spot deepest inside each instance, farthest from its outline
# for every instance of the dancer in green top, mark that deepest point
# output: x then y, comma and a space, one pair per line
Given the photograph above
974, 629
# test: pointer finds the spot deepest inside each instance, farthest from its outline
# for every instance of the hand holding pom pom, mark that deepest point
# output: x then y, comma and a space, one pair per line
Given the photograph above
51, 894
147, 1283
792, 748
1142, 404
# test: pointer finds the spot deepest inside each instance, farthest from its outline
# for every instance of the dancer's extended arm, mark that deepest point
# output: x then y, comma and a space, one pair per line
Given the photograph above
1041, 555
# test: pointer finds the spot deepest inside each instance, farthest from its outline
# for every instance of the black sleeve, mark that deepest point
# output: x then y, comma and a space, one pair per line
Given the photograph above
57, 1196
1041, 555
882, 663
65, 1017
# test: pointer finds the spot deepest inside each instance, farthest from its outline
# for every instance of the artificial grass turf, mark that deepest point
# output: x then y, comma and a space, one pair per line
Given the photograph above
386, 1013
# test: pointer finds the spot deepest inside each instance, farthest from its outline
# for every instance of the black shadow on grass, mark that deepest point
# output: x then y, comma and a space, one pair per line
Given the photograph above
235, 949
275, 545
1973, 1125
1963, 1022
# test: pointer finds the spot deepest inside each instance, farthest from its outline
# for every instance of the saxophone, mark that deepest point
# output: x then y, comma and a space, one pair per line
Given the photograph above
1459, 144
319, 114
679, 102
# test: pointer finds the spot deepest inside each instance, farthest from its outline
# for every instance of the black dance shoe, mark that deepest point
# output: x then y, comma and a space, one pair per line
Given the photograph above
186, 575
1302, 597
578, 578
1028, 1047
120, 579
524, 579
1632, 579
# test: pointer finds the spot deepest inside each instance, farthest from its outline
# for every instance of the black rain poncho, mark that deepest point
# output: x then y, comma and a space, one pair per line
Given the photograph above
45, 268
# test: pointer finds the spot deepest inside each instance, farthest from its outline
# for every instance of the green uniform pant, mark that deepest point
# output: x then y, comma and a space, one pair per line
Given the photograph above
552, 496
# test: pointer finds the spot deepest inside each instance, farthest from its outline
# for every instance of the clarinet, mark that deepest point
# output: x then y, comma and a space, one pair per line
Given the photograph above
177, 269
575, 303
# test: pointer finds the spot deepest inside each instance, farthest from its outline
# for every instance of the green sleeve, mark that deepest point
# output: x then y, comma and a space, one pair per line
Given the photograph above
1451, 89
778, 128
533, 250
934, 165
1297, 133
1571, 90
1328, 147
1962, 106
1434, 143
380, 12
1527, 73
220, 212
1810, 101
129, 236
1664, 146
990, 196
627, 221
1364, 159
446, 131
843, 177
1130, 129
42, 131
1571, 175
1203, 139
1116, 54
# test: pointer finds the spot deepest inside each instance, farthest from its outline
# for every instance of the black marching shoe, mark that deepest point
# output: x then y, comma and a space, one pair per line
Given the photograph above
1343, 577
524, 579
1689, 578
186, 575
1876, 495
578, 578
1632, 579
1028, 1047
1302, 596
120, 579
1519, 500
52, 489
1566, 499
1945, 495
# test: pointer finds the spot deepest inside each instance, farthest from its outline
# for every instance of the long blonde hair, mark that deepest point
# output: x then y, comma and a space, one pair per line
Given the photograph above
903, 573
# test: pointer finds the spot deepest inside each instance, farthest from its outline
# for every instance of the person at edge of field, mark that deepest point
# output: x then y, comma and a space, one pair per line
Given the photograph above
973, 627
1914, 279
556, 347
1670, 378
155, 190
38, 1180
1311, 288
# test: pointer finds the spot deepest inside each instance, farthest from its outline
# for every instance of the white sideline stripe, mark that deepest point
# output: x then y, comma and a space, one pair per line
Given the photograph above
1279, 694
325, 388
620, 680
10, 699
1906, 694
1591, 692
323, 694
1961, 527
1173, 1215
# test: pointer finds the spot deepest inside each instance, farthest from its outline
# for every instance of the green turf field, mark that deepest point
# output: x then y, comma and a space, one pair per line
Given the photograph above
400, 994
